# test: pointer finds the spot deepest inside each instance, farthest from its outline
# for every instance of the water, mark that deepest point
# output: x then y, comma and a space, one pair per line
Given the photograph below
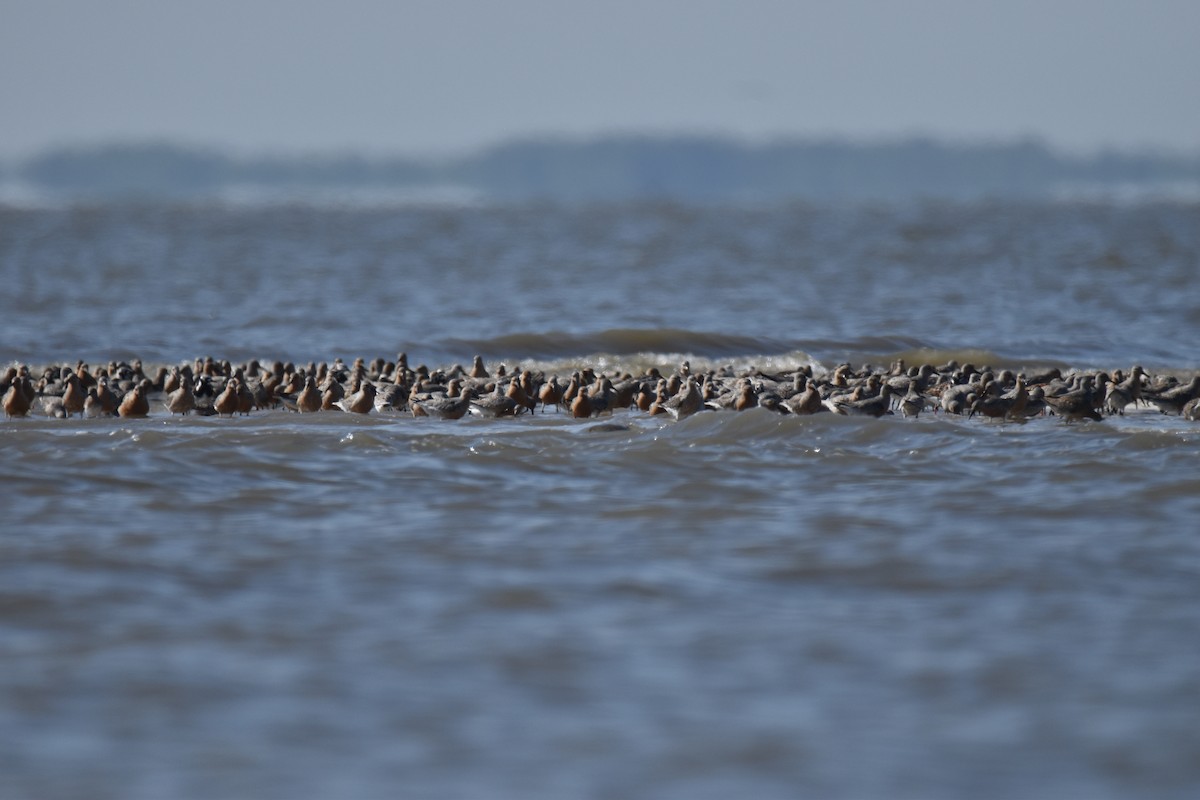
333, 605
1080, 284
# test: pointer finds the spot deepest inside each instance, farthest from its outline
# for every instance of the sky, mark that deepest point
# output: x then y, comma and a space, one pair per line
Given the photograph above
443, 78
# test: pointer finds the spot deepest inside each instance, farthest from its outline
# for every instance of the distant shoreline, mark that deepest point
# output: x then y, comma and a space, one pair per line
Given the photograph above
613, 168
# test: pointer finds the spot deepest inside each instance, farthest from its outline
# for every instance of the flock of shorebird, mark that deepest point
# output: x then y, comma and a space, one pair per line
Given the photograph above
220, 388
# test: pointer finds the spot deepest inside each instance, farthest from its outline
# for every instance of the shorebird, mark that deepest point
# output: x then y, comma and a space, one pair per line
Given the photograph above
245, 397
106, 397
957, 398
807, 400
746, 397
570, 390
1116, 398
172, 381
6, 380
1035, 405
516, 391
926, 376
91, 406
1172, 401
402, 373
74, 396
687, 402
990, 405
661, 397
331, 392
581, 406
1044, 377
496, 404
845, 394
550, 394
19, 397
1018, 398
135, 403
625, 391
86, 379
1132, 385
443, 407
415, 395
1076, 404
263, 393
477, 368
50, 406
1010, 405
309, 398
182, 399
913, 402
391, 395
361, 402
646, 396
875, 406
290, 385
226, 404
602, 396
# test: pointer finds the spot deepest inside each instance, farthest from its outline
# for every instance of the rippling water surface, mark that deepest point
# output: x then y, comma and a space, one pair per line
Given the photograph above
282, 606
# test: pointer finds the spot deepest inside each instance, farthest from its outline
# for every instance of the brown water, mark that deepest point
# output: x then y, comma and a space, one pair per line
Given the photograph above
333, 605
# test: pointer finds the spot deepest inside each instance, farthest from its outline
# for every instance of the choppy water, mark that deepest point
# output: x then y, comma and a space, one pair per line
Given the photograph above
332, 605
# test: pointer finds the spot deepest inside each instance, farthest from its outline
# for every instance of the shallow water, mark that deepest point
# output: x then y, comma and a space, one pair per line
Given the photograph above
333, 605
1083, 284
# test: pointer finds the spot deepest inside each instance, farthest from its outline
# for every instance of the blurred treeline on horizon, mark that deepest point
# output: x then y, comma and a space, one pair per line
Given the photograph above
692, 168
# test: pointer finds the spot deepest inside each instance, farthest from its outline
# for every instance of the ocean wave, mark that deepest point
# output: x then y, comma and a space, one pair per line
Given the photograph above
622, 341
635, 349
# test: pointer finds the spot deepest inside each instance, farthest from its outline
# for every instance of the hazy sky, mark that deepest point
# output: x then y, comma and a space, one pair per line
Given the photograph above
440, 77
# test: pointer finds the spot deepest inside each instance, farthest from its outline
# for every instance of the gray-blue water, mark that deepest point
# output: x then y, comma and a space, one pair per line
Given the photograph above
332, 605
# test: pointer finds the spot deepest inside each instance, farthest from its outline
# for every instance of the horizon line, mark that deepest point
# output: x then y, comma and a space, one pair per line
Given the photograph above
862, 141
